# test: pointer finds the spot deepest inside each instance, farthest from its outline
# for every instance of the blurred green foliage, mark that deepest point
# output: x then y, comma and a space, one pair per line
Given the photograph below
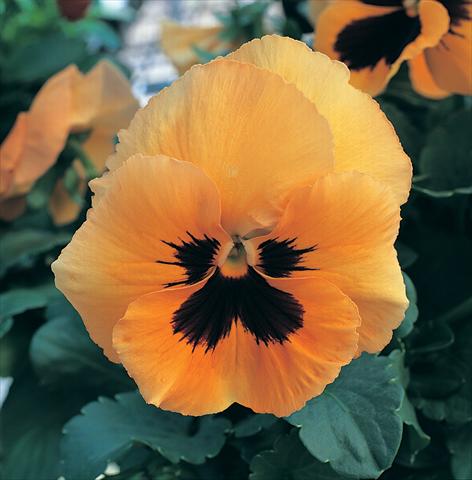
404, 414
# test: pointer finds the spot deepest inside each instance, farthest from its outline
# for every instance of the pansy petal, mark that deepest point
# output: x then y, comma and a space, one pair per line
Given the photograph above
102, 98
10, 152
364, 139
367, 38
450, 61
120, 253
253, 134
47, 127
276, 378
348, 240
422, 79
179, 42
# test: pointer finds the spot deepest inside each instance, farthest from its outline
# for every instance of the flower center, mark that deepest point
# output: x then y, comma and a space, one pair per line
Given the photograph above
236, 289
236, 263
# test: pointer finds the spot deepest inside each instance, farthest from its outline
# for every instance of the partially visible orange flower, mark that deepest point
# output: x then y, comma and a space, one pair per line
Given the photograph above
69, 102
241, 247
373, 38
179, 42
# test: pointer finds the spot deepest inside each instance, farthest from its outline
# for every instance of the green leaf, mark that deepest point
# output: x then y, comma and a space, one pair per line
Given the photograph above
411, 314
108, 428
61, 349
32, 420
406, 255
409, 135
446, 160
354, 424
20, 300
459, 442
253, 424
432, 337
290, 460
38, 60
414, 438
19, 246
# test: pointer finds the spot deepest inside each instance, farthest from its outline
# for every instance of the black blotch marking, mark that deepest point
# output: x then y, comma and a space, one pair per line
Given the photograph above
195, 256
279, 258
364, 42
207, 315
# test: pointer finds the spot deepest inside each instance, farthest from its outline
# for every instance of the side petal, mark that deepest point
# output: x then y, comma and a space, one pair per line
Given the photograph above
120, 253
274, 378
422, 79
364, 139
348, 240
256, 136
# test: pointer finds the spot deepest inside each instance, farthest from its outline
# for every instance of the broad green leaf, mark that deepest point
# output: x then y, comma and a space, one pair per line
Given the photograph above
411, 314
108, 428
355, 424
414, 439
290, 460
437, 377
62, 350
253, 424
28, 63
433, 336
19, 246
32, 419
406, 255
409, 135
459, 442
20, 300
446, 160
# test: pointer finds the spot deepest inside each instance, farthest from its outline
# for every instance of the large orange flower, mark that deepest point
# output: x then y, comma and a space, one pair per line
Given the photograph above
69, 102
373, 37
241, 247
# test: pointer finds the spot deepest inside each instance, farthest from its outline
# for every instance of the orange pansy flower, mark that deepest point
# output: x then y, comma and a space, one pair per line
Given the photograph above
373, 38
69, 102
241, 247
179, 42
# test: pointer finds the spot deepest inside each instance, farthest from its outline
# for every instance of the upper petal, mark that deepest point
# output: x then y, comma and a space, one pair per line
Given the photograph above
256, 136
348, 240
364, 139
120, 252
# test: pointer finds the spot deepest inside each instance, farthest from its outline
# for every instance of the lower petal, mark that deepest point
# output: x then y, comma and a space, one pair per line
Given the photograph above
422, 79
277, 378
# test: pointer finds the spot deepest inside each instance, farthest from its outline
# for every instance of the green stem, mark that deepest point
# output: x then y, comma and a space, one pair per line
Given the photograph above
79, 152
